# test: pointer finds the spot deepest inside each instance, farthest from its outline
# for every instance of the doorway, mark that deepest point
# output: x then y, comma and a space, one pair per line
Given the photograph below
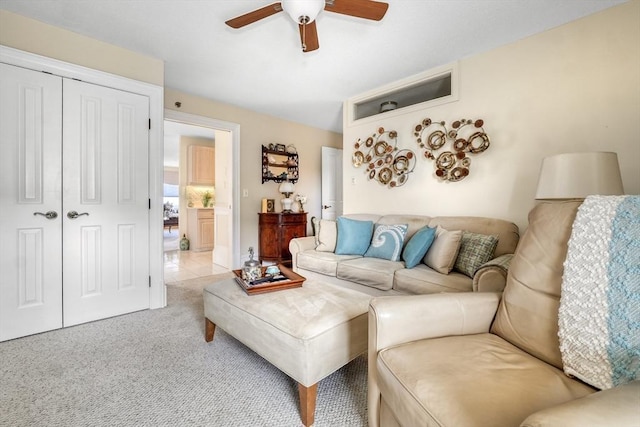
331, 183
226, 198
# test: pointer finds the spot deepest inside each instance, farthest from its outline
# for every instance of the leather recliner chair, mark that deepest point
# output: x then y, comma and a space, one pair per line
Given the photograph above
486, 359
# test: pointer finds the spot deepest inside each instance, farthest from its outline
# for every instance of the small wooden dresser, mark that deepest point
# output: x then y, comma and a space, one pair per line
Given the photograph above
275, 231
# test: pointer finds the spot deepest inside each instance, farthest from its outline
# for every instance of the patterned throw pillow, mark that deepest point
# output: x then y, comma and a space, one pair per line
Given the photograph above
475, 250
354, 236
387, 242
418, 246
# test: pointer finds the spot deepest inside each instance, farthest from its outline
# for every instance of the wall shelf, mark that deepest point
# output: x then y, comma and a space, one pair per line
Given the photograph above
279, 166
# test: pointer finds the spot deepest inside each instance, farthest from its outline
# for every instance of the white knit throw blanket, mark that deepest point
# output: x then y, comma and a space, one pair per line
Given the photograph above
599, 317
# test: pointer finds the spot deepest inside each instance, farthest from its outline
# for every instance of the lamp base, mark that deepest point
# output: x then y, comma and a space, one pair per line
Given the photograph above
287, 203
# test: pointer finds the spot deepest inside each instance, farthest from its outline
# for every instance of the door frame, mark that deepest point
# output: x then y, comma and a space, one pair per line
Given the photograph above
234, 129
158, 293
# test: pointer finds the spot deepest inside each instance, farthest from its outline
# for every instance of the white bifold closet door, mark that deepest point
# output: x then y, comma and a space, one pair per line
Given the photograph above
30, 183
75, 207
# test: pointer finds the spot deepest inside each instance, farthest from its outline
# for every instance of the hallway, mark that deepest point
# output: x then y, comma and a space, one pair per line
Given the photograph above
184, 265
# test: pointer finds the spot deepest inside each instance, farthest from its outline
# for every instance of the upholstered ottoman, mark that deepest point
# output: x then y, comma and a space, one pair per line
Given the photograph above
307, 332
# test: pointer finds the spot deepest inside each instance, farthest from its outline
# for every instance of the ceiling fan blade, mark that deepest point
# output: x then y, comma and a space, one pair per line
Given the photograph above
367, 9
256, 15
309, 36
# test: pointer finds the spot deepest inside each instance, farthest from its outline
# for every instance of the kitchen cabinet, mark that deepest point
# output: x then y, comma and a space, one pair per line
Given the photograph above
201, 165
200, 229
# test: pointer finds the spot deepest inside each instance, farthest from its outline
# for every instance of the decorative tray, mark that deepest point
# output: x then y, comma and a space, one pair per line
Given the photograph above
290, 280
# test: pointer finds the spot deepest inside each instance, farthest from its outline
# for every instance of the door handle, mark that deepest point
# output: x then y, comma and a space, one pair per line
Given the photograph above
74, 214
325, 206
48, 215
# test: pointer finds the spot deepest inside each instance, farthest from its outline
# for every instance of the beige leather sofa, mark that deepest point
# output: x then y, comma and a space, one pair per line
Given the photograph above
489, 359
376, 276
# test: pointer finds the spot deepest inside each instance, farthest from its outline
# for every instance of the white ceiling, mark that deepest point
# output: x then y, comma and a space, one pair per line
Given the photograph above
261, 66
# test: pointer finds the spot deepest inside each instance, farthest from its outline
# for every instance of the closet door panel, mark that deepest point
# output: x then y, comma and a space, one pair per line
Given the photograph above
106, 134
30, 183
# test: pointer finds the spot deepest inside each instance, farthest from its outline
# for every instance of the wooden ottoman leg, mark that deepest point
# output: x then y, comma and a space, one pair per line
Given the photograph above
307, 403
209, 329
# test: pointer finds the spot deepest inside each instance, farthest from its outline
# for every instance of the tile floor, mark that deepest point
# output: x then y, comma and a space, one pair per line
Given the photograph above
184, 265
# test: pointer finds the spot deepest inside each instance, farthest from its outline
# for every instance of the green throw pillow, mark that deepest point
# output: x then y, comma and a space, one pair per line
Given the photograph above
475, 250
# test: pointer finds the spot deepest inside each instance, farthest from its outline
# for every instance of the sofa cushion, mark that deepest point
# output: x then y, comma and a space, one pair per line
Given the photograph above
414, 222
443, 382
375, 272
387, 242
442, 254
321, 262
475, 250
425, 280
418, 246
354, 236
327, 235
528, 313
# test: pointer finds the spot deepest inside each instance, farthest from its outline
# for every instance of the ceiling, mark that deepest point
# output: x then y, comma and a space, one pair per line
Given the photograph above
261, 66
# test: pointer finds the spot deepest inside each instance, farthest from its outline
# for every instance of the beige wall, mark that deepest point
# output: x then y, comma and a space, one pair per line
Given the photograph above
33, 36
573, 88
255, 130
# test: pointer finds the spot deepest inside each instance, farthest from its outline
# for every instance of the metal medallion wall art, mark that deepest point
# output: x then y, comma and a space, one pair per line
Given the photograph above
466, 137
385, 163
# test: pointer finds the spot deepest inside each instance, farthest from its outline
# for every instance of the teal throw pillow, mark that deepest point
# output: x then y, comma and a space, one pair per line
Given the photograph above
475, 250
418, 246
387, 242
353, 236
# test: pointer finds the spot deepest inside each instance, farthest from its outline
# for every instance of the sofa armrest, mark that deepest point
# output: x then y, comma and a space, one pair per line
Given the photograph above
395, 320
619, 406
300, 244
492, 275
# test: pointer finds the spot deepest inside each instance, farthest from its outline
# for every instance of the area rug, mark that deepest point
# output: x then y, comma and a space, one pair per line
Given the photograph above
153, 368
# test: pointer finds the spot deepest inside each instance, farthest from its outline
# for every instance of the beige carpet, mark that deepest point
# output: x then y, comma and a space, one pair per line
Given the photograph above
153, 368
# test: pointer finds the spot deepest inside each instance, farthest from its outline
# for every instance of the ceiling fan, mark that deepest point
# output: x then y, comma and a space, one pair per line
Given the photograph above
304, 13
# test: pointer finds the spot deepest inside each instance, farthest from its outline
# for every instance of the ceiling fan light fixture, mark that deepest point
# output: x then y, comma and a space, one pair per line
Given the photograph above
303, 11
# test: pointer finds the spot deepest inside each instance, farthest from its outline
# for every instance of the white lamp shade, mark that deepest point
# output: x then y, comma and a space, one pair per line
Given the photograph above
302, 8
286, 187
578, 175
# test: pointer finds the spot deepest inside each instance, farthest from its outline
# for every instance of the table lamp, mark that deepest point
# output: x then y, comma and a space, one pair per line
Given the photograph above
286, 188
577, 175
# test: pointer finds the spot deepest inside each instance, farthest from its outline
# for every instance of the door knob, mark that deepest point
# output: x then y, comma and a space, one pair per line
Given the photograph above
48, 215
325, 206
74, 214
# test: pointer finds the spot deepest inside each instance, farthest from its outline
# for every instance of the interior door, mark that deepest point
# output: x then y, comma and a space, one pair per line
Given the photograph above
106, 202
223, 224
331, 183
30, 175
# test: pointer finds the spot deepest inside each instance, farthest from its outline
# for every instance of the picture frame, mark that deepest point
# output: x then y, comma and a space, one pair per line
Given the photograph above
281, 147
271, 205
